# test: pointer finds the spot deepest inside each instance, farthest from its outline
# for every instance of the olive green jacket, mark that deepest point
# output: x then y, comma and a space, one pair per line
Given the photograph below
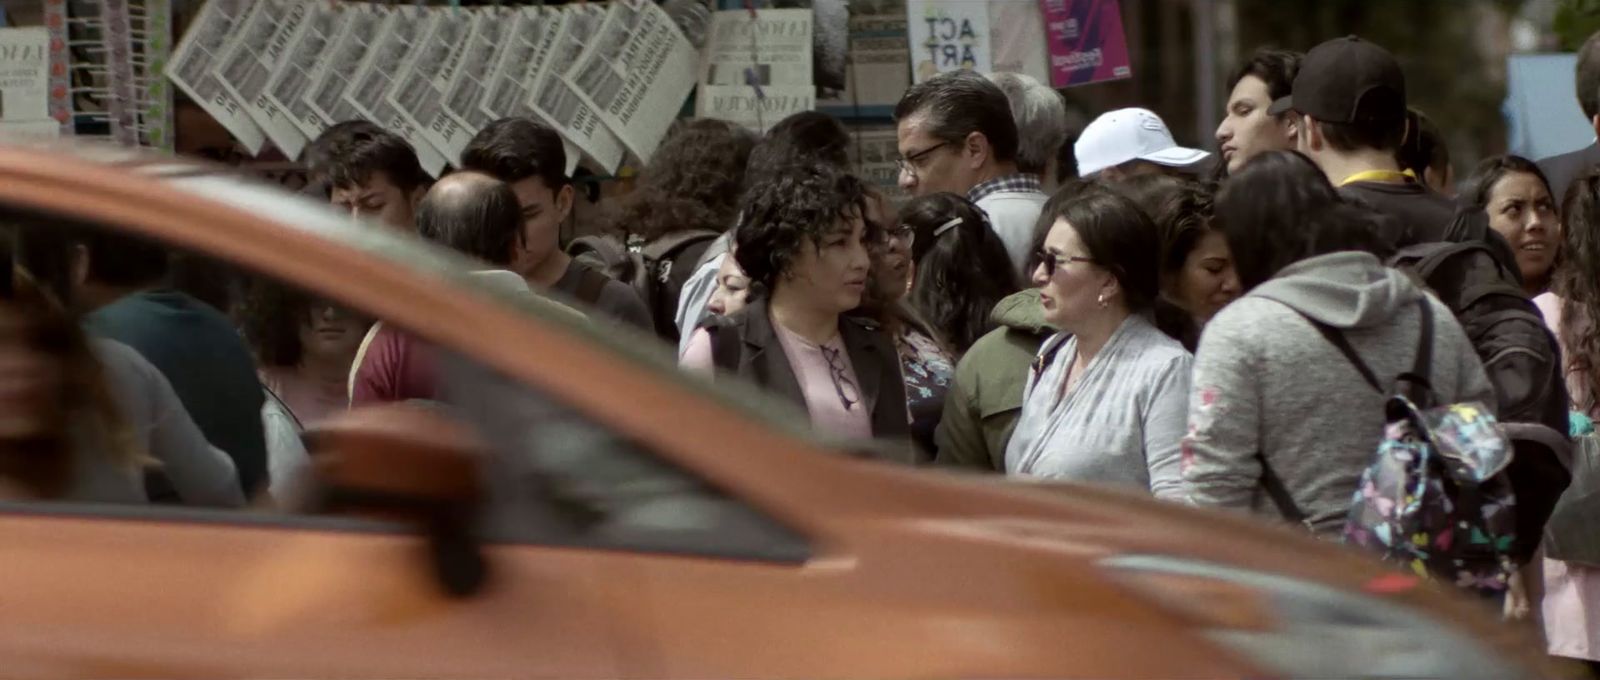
985, 396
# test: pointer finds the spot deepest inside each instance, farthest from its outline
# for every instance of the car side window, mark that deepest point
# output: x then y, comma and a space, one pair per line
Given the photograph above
297, 360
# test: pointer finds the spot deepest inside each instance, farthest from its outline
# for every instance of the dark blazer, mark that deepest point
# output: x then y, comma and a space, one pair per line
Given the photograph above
1563, 169
760, 358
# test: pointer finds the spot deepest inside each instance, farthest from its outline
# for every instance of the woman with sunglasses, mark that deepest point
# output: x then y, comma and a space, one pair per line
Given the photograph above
803, 240
1106, 399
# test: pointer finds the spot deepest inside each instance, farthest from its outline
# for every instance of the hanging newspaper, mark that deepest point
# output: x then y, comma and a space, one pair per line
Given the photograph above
24, 74
489, 37
418, 95
780, 41
190, 69
636, 73
331, 78
558, 103
516, 68
258, 49
397, 37
757, 110
293, 79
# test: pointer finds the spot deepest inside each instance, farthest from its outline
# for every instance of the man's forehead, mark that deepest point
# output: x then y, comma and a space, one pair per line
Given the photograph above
913, 127
375, 182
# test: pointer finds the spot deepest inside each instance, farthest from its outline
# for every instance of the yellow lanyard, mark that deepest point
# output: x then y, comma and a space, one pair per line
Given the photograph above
1391, 176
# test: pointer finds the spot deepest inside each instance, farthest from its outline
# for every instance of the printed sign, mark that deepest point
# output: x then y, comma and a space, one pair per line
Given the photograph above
24, 74
1086, 41
946, 36
741, 104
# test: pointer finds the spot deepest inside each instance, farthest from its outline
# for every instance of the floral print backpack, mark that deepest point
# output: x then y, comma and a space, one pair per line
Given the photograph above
1435, 499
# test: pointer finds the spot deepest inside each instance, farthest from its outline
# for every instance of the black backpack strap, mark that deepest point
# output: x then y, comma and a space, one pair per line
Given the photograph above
1422, 368
1279, 494
590, 285
1339, 342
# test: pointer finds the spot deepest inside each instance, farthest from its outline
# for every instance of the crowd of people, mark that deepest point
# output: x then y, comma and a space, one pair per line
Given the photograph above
1218, 331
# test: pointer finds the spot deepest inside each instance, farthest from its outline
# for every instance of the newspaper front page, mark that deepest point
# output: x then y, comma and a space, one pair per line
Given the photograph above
636, 73
398, 36
259, 48
490, 27
780, 40
758, 111
419, 94
332, 75
293, 79
202, 48
516, 69
559, 103
873, 153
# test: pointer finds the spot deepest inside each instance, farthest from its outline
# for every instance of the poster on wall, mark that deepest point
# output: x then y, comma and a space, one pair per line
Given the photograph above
1017, 35
947, 36
1086, 41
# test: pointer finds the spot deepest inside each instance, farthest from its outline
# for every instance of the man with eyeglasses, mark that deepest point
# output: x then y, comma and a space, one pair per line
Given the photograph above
956, 134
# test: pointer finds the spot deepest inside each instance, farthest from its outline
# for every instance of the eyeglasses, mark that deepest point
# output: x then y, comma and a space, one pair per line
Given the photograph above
908, 164
849, 395
1051, 261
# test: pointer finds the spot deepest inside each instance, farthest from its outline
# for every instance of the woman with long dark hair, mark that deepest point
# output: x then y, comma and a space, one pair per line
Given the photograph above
1197, 275
1106, 397
1514, 196
961, 267
1273, 397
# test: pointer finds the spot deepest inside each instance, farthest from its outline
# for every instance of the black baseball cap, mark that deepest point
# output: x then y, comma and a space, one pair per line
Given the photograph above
1346, 79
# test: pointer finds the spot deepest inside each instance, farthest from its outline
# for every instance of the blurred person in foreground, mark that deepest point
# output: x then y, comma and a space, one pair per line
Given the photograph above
531, 158
1105, 399
87, 417
1130, 142
804, 241
957, 134
1512, 193
1562, 169
686, 198
1275, 404
798, 141
1248, 130
117, 282
369, 172
1197, 274
1041, 117
475, 215
1425, 155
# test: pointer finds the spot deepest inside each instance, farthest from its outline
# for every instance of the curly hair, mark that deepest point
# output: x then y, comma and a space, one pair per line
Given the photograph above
1580, 289
271, 316
692, 182
781, 216
963, 270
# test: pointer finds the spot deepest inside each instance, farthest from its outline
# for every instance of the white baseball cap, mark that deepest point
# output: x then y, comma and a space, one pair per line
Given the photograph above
1117, 137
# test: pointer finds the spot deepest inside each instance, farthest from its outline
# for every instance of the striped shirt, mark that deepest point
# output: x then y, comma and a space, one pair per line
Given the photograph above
1123, 421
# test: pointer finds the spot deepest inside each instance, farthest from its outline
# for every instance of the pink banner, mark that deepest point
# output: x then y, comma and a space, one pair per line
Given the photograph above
1086, 41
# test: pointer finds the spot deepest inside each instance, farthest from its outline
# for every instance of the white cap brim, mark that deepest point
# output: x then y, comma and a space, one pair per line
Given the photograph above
1176, 157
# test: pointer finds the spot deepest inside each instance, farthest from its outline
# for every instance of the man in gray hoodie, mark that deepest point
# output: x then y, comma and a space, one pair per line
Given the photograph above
1270, 391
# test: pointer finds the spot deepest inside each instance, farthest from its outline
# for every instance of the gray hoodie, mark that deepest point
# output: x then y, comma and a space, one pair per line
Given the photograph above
1267, 382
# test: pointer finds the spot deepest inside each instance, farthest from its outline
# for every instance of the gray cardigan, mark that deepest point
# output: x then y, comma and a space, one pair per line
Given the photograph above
1267, 381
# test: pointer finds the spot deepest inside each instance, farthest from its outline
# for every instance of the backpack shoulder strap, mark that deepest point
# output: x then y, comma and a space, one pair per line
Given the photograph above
590, 285
665, 246
1422, 369
1279, 494
1337, 339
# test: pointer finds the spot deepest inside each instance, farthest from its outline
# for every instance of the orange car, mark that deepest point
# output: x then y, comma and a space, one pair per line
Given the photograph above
576, 508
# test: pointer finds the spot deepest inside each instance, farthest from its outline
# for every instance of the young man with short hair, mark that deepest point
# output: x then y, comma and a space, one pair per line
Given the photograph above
1247, 130
369, 172
1131, 142
1351, 97
1562, 169
530, 157
956, 134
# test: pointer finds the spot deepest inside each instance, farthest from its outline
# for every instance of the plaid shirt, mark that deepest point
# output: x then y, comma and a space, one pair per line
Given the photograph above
1020, 182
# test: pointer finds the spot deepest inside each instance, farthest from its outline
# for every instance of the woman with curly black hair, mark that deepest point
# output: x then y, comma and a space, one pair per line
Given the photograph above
804, 241
960, 272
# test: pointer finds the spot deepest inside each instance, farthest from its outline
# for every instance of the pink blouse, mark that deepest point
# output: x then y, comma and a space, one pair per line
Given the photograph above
826, 376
